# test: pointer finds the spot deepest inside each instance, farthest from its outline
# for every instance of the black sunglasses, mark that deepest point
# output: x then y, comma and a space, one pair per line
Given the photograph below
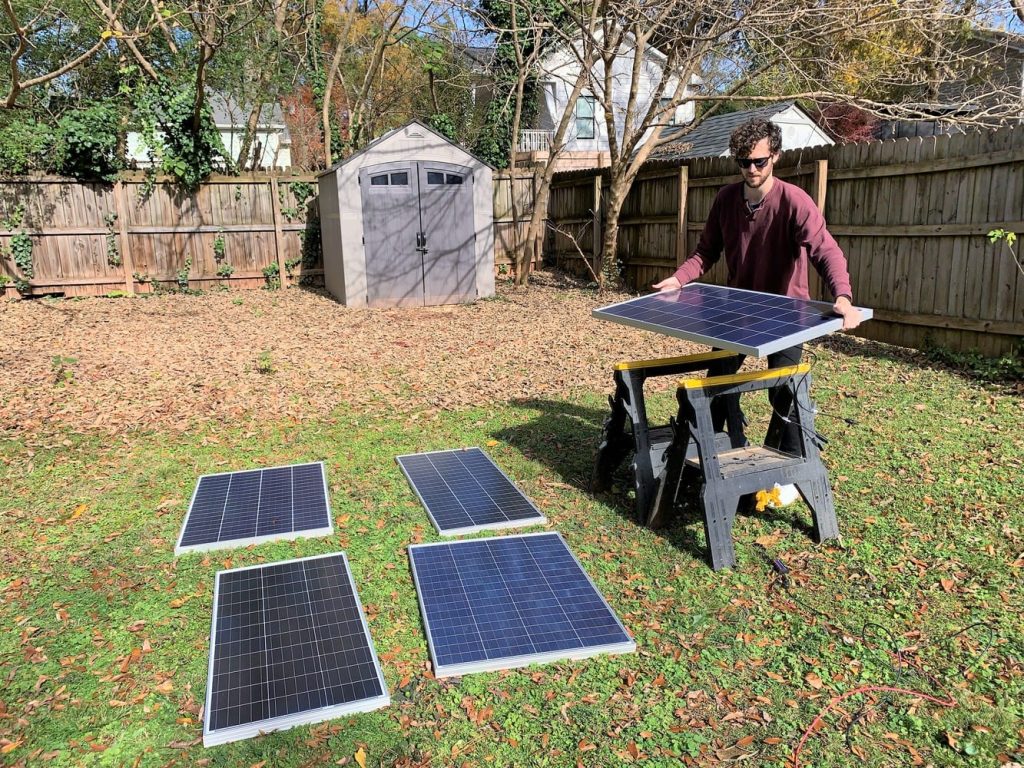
757, 162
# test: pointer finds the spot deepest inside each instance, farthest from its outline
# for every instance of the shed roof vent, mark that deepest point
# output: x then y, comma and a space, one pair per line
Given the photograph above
414, 132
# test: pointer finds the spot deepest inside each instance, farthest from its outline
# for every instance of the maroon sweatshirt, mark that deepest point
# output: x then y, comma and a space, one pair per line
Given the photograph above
768, 250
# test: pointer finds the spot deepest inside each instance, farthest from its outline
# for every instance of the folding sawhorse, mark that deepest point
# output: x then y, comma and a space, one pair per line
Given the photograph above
728, 473
648, 443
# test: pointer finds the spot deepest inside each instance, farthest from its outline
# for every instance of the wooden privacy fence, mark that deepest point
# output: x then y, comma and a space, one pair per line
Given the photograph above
92, 239
136, 236
912, 216
509, 221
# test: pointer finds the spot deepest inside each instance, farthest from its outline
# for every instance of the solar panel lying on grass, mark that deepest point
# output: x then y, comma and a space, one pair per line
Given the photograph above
234, 509
747, 322
289, 645
465, 491
510, 601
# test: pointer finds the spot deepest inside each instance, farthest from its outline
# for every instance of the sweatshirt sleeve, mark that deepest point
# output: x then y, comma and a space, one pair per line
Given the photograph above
822, 250
709, 249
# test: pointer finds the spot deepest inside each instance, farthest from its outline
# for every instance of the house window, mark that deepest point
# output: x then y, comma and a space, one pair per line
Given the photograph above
669, 117
585, 126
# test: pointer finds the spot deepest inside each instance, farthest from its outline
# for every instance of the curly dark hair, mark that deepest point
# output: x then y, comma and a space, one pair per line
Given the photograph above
743, 139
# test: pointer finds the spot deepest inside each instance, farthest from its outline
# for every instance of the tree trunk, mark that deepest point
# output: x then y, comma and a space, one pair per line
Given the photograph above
521, 258
608, 271
535, 233
325, 114
542, 185
251, 124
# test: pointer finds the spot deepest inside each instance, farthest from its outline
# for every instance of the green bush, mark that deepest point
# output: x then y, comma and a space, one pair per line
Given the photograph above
26, 146
443, 124
87, 143
188, 155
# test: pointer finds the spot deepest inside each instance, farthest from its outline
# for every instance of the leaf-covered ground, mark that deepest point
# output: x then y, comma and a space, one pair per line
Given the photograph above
110, 409
174, 361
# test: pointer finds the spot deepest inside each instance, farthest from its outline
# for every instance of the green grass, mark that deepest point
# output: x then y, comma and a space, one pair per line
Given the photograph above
104, 648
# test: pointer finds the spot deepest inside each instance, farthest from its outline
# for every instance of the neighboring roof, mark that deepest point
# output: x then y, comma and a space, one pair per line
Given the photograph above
480, 58
1011, 39
228, 112
385, 136
711, 138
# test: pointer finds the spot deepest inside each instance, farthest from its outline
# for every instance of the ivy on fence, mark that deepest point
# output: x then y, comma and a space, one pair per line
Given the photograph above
19, 248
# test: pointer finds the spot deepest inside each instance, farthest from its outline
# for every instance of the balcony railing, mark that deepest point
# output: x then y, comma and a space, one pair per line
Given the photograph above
535, 141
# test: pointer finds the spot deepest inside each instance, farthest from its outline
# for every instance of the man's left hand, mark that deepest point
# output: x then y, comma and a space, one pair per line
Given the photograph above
850, 314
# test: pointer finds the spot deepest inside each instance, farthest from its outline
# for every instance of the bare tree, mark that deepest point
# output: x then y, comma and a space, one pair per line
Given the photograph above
368, 32
257, 67
764, 51
525, 35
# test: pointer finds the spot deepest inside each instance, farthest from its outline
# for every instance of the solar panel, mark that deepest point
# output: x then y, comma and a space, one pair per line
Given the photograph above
509, 601
289, 646
465, 491
234, 509
747, 322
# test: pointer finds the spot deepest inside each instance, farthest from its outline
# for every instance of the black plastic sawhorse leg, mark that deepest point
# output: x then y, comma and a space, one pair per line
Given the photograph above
730, 474
627, 428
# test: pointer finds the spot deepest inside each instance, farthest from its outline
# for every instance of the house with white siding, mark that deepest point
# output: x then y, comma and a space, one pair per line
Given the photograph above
586, 142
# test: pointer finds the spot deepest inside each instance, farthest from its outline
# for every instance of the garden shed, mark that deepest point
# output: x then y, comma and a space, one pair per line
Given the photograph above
408, 221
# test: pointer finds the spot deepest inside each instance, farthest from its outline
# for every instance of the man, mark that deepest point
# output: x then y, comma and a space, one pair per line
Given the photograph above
768, 230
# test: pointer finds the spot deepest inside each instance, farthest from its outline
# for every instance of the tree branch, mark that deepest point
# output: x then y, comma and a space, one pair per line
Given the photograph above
110, 16
168, 37
18, 85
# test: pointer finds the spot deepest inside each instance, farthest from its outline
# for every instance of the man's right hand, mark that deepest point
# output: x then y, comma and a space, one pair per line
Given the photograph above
668, 284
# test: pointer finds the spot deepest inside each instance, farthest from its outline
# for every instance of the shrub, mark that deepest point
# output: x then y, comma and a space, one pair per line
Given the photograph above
188, 155
87, 143
26, 146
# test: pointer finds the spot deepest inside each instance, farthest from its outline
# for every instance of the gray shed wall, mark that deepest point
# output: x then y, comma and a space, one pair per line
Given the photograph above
330, 237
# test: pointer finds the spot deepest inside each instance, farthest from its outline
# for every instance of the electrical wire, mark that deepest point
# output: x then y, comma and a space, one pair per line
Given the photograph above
899, 667
948, 702
815, 436
886, 701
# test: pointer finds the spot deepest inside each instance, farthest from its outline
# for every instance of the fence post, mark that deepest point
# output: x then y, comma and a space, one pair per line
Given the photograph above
537, 241
278, 234
121, 211
819, 184
596, 245
681, 218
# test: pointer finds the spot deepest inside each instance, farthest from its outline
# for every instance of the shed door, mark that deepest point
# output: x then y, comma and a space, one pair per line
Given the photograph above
391, 219
418, 233
446, 212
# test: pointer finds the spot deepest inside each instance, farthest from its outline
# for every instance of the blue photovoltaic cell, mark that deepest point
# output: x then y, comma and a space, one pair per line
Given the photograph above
465, 491
747, 322
239, 508
509, 601
289, 645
